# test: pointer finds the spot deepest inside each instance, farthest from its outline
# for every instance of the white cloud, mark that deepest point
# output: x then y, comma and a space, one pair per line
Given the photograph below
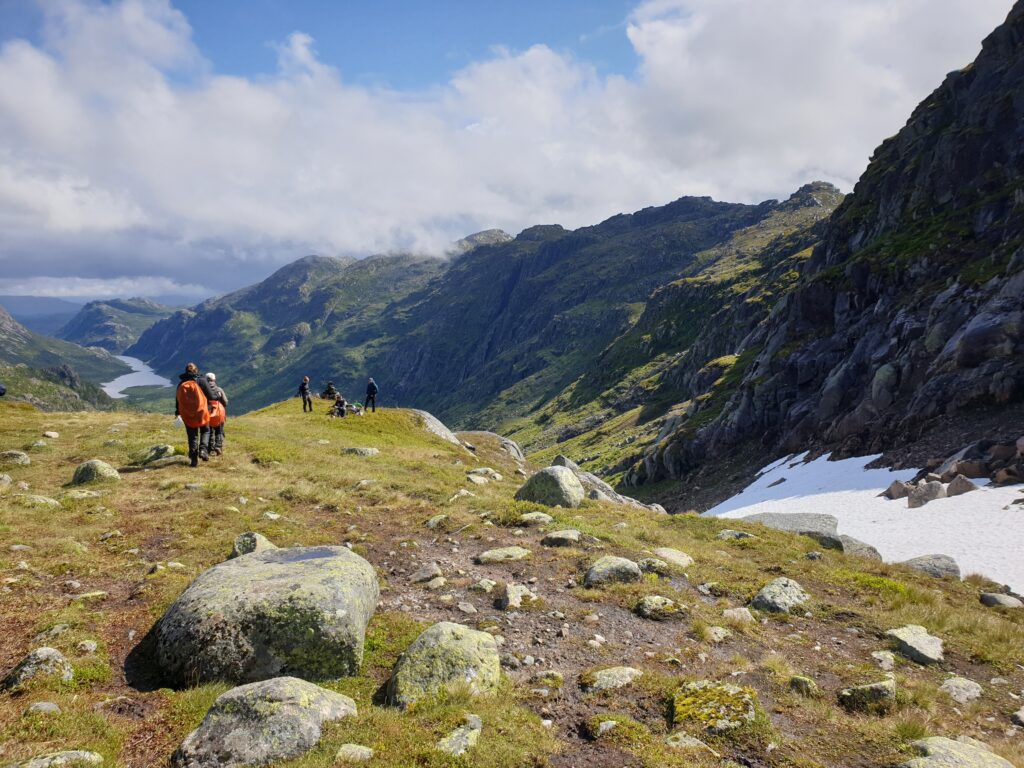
94, 288
123, 153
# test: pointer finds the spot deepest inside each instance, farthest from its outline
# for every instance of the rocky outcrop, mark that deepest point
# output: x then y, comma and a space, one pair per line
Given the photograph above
599, 490
300, 611
553, 487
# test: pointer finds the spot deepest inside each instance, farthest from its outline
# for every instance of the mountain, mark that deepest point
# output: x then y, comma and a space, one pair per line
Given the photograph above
910, 310
114, 324
20, 345
42, 314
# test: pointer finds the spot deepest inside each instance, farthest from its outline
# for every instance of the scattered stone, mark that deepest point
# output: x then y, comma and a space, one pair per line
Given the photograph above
961, 690
855, 547
1018, 717
74, 758
674, 557
553, 487
302, 610
813, 556
804, 686
658, 608
536, 518
718, 635
110, 535
780, 595
477, 479
262, 723
654, 565
466, 607
875, 698
19, 458
353, 753
960, 485
609, 679
999, 600
153, 453
425, 573
272, 515
250, 541
43, 708
738, 615
463, 738
5, 480
445, 656
484, 585
86, 646
364, 452
937, 566
567, 538
50, 435
886, 660
436, 521
436, 583
78, 494
31, 500
512, 596
916, 644
940, 752
898, 489
42, 662
728, 534
94, 471
681, 741
502, 555
611, 569
717, 707
95, 595
922, 493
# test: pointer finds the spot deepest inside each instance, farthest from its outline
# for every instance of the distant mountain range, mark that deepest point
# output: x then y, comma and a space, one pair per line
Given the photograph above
41, 314
114, 324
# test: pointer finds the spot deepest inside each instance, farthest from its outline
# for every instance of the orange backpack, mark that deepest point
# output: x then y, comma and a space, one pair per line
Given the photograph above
192, 405
218, 415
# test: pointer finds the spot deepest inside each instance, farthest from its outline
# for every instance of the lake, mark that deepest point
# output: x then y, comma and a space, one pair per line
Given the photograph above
141, 376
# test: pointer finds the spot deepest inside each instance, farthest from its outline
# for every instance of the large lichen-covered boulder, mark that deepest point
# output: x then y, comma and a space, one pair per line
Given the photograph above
940, 752
717, 707
94, 471
261, 724
937, 566
301, 611
780, 595
610, 570
40, 663
444, 657
554, 487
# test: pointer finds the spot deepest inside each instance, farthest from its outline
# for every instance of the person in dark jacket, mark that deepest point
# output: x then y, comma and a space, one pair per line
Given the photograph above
218, 415
306, 395
330, 392
371, 395
192, 404
340, 408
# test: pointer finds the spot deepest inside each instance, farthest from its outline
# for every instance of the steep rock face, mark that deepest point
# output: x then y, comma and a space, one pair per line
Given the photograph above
911, 308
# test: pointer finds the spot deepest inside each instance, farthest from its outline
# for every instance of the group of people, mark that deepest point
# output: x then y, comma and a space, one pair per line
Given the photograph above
340, 407
203, 407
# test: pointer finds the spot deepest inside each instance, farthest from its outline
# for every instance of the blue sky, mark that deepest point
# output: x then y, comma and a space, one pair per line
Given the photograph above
139, 138
400, 44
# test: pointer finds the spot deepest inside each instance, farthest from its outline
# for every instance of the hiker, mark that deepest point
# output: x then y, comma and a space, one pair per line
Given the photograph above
192, 406
330, 392
340, 406
306, 395
3, 390
218, 415
371, 395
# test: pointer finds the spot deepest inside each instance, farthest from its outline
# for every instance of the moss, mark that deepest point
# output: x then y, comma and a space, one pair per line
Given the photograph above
626, 732
715, 707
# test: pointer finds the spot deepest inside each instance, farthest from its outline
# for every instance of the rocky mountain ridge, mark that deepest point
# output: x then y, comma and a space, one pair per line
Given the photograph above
112, 324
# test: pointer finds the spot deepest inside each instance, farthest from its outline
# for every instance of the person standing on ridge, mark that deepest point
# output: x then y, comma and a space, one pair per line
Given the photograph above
306, 395
371, 395
218, 415
192, 406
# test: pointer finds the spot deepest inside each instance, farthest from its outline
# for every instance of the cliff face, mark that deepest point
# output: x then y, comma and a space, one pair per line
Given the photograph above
912, 307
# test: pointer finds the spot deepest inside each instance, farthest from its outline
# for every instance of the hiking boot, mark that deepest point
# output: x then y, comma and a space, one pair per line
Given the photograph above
193, 459
204, 454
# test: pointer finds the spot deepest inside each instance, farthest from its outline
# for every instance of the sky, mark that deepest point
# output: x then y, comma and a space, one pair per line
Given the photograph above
181, 149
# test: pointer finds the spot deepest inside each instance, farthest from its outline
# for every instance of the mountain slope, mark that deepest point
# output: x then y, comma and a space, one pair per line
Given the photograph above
911, 309
40, 314
20, 345
114, 324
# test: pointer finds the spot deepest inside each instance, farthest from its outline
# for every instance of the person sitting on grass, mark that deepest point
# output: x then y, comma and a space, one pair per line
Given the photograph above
330, 392
340, 406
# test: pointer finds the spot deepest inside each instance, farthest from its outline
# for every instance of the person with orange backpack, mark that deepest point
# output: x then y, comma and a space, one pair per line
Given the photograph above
192, 405
218, 415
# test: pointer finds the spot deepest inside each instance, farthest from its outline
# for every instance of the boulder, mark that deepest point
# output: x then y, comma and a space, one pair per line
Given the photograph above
73, 758
512, 596
922, 493
536, 518
364, 452
502, 555
153, 453
609, 679
674, 557
728, 534
937, 566
654, 565
299, 611
780, 595
805, 523
34, 500
599, 490
250, 541
611, 569
170, 461
435, 426
353, 753
463, 738
5, 480
898, 489
553, 487
916, 644
961, 690
658, 608
740, 615
445, 657
51, 435
940, 752
874, 698
425, 572
999, 600
717, 707
42, 662
960, 485
262, 723
804, 686
94, 471
567, 538
18, 458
